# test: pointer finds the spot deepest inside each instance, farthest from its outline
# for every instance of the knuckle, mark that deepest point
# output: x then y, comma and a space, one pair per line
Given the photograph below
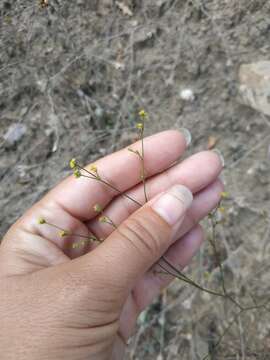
145, 234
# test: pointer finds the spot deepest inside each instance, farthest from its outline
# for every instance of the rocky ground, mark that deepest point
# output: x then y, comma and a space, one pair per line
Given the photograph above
72, 78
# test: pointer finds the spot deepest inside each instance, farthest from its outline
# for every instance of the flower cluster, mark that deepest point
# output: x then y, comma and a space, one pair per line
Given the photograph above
85, 242
64, 233
77, 170
143, 116
93, 168
73, 164
41, 221
97, 208
104, 219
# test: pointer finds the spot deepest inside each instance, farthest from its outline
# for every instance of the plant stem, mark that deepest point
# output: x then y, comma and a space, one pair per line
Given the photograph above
90, 237
143, 165
97, 178
179, 275
218, 259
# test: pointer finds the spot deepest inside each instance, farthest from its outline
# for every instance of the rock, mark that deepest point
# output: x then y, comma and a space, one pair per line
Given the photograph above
124, 8
187, 95
255, 86
143, 35
14, 133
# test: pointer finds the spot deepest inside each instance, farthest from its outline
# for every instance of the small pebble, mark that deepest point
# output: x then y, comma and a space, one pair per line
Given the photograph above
187, 95
15, 133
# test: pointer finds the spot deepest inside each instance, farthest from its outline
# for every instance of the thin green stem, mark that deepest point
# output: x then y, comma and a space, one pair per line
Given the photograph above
218, 259
108, 220
179, 275
224, 333
243, 310
143, 165
69, 233
216, 253
98, 178
120, 192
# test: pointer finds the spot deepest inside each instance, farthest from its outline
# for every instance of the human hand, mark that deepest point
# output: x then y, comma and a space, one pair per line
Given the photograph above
59, 302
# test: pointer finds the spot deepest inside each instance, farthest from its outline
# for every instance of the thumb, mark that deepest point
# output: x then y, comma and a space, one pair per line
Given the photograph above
139, 241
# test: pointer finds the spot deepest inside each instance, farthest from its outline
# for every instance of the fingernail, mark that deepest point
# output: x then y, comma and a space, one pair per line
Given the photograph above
187, 135
218, 152
172, 205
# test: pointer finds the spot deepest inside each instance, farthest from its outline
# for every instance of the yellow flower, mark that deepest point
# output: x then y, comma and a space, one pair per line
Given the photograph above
139, 126
224, 194
103, 219
63, 233
41, 221
73, 163
93, 168
143, 114
93, 238
221, 210
77, 173
97, 208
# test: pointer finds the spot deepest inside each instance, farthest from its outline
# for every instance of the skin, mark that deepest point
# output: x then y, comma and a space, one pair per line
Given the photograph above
57, 302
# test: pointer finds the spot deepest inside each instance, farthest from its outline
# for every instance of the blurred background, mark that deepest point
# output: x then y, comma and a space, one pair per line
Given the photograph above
73, 75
